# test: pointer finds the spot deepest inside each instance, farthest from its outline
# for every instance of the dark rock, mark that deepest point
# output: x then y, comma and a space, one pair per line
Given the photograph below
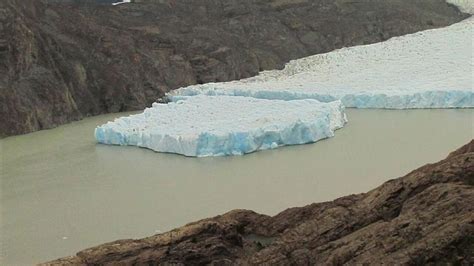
425, 217
61, 62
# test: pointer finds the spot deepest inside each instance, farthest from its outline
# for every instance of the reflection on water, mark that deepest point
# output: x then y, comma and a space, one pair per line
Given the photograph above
61, 192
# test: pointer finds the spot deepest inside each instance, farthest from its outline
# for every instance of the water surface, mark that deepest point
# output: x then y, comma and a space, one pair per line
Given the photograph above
62, 192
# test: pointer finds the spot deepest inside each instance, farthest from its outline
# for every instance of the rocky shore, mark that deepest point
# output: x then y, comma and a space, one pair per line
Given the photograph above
425, 217
60, 62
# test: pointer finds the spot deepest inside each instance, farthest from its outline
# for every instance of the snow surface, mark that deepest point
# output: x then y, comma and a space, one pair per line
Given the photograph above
428, 69
213, 126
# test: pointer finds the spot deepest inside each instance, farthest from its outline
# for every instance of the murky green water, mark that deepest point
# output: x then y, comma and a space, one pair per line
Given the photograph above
60, 192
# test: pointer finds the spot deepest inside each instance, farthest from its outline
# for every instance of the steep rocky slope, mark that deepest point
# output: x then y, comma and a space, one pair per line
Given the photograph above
425, 217
61, 61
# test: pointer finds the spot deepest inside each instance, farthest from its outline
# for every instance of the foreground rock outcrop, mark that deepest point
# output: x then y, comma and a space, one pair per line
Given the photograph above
425, 217
61, 61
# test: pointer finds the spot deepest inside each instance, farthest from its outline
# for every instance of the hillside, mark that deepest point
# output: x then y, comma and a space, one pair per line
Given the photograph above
61, 62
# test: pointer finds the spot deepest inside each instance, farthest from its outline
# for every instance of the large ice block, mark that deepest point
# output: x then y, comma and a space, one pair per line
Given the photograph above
214, 126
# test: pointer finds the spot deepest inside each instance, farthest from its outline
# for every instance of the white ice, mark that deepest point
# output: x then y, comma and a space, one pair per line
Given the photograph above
428, 69
214, 126
123, 2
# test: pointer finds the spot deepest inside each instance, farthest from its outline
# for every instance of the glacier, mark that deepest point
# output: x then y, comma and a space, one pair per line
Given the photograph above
225, 125
305, 101
428, 69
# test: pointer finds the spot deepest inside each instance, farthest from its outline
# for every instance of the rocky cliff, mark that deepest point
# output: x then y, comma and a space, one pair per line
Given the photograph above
425, 217
61, 62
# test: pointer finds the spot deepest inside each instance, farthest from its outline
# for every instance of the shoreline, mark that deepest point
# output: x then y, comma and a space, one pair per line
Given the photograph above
423, 217
60, 183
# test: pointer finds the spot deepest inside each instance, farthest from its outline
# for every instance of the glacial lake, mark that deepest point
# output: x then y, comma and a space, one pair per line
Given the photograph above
61, 192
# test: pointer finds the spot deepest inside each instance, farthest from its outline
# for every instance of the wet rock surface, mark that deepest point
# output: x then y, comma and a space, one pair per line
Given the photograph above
61, 62
425, 217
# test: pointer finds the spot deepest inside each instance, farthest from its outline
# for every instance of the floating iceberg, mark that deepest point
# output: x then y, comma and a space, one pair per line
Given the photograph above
428, 69
213, 126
